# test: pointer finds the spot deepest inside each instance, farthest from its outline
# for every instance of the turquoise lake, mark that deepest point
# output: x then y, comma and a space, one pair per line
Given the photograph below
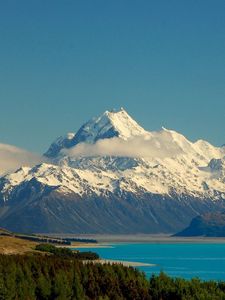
206, 261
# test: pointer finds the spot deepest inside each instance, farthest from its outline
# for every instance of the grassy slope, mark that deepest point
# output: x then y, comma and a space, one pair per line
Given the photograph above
13, 245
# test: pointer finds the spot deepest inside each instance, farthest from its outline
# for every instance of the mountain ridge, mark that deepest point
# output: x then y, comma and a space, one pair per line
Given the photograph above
110, 164
109, 124
210, 224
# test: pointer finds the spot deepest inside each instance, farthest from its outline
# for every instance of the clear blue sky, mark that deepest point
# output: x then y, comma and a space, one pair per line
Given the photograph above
62, 62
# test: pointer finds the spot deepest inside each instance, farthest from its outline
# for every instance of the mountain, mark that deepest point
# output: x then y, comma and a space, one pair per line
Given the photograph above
60, 143
209, 224
110, 124
113, 176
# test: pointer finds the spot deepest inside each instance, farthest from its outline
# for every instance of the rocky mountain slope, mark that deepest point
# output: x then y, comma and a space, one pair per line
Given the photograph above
209, 224
114, 176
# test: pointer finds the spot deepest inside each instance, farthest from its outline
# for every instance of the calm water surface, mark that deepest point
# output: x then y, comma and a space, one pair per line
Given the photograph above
206, 261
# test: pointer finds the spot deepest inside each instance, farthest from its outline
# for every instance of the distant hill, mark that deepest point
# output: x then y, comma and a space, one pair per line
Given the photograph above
209, 224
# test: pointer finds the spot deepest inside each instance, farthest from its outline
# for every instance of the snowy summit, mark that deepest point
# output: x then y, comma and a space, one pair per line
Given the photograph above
123, 173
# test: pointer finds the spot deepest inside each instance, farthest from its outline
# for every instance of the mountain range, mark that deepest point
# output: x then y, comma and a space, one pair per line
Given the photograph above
113, 176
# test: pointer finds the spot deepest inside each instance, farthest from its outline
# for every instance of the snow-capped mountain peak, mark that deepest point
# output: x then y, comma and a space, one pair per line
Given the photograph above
157, 161
124, 124
135, 140
112, 171
114, 123
109, 124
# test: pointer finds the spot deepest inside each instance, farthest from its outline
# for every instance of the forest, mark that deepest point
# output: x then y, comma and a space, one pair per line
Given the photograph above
66, 252
29, 277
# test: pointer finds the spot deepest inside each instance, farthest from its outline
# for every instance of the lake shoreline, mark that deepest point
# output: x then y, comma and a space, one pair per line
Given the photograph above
107, 240
123, 262
205, 260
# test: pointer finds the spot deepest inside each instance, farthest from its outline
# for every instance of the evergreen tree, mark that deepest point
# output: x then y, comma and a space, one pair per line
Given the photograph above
2, 285
43, 289
62, 290
78, 292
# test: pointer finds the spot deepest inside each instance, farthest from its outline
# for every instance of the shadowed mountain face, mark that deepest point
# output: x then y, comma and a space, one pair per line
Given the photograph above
38, 208
113, 176
209, 224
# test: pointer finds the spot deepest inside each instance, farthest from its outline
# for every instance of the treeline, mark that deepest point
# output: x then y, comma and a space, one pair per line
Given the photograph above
80, 240
163, 287
66, 252
51, 277
47, 239
41, 239
5, 232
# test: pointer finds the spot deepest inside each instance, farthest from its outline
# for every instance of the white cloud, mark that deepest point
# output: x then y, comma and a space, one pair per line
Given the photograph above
11, 158
135, 147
